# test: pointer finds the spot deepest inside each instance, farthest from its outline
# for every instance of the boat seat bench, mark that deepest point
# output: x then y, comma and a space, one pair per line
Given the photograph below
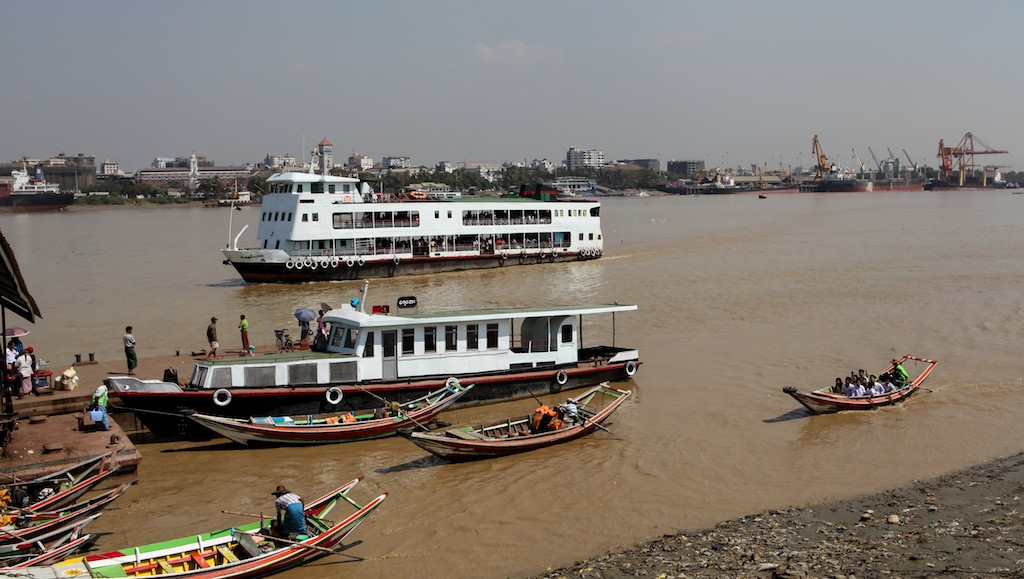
465, 434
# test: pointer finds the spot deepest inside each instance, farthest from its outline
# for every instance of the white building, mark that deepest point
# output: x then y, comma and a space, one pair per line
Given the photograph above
577, 158
278, 161
397, 162
360, 163
488, 171
109, 167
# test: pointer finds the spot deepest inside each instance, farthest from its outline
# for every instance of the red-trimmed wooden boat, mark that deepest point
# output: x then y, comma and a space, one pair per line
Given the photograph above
16, 552
65, 495
335, 427
514, 435
825, 400
26, 526
237, 552
25, 494
56, 554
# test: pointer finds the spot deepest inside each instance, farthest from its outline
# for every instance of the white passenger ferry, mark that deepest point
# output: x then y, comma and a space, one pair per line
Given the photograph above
316, 227
506, 353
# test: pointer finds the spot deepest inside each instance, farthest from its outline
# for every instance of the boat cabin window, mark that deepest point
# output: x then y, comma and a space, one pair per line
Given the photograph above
451, 338
316, 187
408, 341
368, 346
330, 188
566, 333
430, 339
298, 188
473, 337
492, 336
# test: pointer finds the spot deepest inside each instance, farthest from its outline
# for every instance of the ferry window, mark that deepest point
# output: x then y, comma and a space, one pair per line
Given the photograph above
449, 215
408, 341
316, 187
337, 336
451, 338
581, 237
566, 333
305, 217
342, 220
492, 336
437, 215
350, 339
388, 345
278, 244
289, 217
368, 346
473, 337
316, 217
298, 188
330, 188
430, 339
591, 236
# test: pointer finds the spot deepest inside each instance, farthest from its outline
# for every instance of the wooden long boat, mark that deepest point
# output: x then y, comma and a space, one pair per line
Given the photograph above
335, 427
55, 554
23, 494
16, 552
71, 490
25, 526
514, 435
825, 400
507, 353
238, 552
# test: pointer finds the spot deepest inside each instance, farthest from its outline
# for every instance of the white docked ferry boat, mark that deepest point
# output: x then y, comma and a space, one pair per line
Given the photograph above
372, 357
316, 227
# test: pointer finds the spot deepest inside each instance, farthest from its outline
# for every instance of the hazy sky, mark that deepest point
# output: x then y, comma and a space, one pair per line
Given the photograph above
480, 81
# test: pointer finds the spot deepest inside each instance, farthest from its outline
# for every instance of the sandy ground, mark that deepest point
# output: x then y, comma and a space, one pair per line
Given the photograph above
965, 524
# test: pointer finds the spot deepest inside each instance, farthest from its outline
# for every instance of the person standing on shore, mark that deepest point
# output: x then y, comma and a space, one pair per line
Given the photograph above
129, 350
243, 326
211, 336
23, 364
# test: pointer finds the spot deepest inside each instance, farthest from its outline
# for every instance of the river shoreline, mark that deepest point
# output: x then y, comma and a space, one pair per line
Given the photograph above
967, 523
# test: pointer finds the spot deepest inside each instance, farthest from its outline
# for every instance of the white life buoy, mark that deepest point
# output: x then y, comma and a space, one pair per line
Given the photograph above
630, 368
222, 397
308, 262
397, 260
313, 264
297, 264
360, 262
561, 377
335, 261
334, 395
451, 383
289, 264
350, 262
504, 255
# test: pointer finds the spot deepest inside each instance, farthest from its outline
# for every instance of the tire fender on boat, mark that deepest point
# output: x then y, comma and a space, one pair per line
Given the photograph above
297, 264
308, 262
222, 397
334, 395
561, 377
630, 368
397, 260
335, 261
451, 383
360, 262
289, 264
312, 263
350, 262
504, 255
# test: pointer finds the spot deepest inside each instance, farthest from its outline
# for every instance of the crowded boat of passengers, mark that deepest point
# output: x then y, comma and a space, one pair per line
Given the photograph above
861, 391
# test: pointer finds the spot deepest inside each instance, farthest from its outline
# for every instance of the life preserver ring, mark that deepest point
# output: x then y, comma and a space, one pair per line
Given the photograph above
397, 260
289, 264
561, 377
335, 261
360, 262
504, 255
308, 262
630, 368
313, 264
346, 198
297, 264
451, 383
222, 397
334, 395
350, 262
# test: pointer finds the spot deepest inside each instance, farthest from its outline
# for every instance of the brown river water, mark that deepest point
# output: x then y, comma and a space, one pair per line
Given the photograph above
738, 297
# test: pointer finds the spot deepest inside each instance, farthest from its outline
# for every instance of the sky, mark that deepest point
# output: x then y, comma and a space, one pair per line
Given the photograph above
478, 81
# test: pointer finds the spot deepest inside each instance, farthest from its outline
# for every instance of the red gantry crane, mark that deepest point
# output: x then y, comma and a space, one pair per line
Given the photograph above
961, 158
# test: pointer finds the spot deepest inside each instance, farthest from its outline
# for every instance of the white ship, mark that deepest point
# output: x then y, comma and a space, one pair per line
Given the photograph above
319, 227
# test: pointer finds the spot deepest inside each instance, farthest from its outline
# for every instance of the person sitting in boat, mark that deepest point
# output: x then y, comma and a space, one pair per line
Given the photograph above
877, 388
542, 418
569, 411
857, 389
838, 388
899, 373
291, 514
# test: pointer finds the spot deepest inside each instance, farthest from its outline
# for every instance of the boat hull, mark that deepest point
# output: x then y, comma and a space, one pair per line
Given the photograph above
255, 267
34, 202
162, 408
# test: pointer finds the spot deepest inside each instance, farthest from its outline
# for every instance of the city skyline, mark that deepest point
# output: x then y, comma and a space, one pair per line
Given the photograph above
728, 83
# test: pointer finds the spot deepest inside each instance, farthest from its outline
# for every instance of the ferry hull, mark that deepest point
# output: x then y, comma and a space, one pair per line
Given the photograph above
35, 202
253, 271
160, 409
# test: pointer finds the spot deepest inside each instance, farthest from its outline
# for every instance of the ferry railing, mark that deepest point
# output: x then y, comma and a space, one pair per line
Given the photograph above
531, 346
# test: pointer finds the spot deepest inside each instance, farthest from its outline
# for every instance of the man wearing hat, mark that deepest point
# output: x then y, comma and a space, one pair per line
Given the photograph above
899, 373
211, 336
291, 514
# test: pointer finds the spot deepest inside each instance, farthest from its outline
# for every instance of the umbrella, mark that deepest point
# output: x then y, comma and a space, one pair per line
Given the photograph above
15, 332
305, 314
326, 307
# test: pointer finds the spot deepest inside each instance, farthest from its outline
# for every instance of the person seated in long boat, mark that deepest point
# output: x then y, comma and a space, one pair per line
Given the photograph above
877, 388
858, 389
543, 416
899, 373
838, 388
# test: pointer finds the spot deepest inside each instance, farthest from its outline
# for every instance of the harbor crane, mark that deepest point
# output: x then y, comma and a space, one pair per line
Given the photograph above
860, 163
877, 164
961, 158
912, 163
824, 166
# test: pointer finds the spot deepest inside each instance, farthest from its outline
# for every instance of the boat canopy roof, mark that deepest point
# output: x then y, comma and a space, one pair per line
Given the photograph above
352, 317
296, 177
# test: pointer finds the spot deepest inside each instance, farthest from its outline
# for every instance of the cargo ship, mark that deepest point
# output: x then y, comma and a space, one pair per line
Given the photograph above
26, 193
